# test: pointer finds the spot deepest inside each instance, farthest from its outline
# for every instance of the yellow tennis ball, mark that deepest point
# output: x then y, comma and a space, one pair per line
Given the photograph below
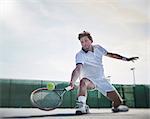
51, 86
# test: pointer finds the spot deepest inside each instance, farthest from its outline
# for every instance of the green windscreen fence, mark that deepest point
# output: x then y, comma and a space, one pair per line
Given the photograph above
16, 93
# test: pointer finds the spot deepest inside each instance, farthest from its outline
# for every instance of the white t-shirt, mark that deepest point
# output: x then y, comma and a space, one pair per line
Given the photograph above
92, 63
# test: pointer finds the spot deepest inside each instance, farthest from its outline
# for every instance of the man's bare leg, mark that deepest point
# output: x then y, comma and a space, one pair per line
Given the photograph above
82, 107
85, 84
116, 102
115, 98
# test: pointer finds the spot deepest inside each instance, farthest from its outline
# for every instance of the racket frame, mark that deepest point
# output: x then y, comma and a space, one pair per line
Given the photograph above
55, 90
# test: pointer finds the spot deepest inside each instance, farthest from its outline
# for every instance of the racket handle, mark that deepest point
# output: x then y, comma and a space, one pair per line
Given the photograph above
68, 88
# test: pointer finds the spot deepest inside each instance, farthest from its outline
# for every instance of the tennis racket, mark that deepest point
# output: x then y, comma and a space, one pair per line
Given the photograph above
47, 100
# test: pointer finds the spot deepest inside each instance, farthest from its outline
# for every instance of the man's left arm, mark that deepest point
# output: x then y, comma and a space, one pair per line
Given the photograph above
117, 56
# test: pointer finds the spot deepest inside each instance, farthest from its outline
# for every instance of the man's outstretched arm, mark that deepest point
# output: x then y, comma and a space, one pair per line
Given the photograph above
117, 56
75, 74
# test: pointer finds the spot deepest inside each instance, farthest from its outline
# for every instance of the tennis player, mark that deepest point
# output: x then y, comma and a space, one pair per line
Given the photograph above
89, 69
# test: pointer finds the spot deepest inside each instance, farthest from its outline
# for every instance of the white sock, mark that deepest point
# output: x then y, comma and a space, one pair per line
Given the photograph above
82, 99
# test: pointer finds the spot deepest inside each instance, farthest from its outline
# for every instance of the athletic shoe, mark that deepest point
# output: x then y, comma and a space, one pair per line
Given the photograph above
81, 108
121, 108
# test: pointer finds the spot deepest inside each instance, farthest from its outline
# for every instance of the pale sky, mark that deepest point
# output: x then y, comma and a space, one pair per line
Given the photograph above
38, 38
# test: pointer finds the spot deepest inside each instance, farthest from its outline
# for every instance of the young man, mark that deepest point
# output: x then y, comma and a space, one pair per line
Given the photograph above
89, 70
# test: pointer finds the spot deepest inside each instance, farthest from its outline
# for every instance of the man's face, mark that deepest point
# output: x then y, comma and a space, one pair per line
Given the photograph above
86, 43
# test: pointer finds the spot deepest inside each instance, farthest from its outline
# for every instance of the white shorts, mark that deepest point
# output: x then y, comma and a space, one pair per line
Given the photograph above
103, 86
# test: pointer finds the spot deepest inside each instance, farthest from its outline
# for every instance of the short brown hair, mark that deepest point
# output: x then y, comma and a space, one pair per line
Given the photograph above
85, 33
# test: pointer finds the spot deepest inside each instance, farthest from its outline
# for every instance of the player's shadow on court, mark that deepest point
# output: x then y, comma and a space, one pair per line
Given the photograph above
56, 115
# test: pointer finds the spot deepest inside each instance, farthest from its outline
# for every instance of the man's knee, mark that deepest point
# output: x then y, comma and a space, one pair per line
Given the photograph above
83, 82
86, 83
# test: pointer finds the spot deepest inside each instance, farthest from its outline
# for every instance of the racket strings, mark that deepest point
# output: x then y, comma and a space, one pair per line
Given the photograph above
46, 99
